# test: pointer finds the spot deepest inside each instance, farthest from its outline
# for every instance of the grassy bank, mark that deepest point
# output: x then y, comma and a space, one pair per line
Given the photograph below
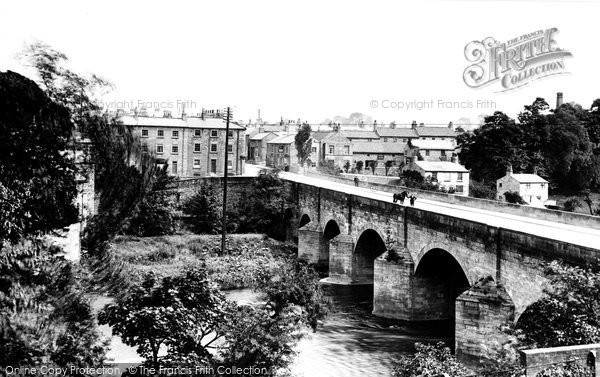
249, 256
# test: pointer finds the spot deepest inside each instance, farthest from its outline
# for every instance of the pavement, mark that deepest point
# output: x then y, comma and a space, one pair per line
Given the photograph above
555, 231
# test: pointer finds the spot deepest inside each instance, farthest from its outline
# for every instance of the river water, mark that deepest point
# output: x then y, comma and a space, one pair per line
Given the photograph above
349, 342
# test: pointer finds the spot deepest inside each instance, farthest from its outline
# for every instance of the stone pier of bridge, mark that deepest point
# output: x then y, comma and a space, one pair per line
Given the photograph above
425, 266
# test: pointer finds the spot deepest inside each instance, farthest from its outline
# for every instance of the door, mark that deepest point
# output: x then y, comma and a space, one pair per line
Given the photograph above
213, 166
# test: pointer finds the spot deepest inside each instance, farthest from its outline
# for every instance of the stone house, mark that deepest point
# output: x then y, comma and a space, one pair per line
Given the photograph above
430, 150
532, 188
281, 152
257, 146
450, 175
192, 146
379, 152
336, 147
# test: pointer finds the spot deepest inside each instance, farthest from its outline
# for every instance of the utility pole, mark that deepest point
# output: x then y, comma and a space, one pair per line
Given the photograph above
224, 226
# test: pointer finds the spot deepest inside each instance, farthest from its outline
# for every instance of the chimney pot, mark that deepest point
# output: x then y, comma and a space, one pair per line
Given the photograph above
559, 99
509, 170
414, 124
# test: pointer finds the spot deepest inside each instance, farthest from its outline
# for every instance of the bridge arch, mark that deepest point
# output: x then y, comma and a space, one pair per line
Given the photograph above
368, 247
331, 230
440, 279
304, 219
470, 273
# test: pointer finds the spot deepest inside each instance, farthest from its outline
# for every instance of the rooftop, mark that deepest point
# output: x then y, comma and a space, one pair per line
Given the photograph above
433, 144
319, 135
262, 135
378, 148
285, 139
396, 132
528, 178
191, 122
443, 166
352, 134
435, 131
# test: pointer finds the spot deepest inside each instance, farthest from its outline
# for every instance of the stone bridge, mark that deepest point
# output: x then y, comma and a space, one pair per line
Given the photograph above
475, 270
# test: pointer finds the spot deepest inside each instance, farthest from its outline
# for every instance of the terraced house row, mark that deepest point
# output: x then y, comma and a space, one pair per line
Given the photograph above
192, 146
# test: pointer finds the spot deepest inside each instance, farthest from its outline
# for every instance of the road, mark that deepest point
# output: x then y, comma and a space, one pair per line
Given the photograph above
556, 231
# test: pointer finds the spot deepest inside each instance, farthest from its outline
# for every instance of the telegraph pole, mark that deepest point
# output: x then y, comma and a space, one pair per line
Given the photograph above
224, 226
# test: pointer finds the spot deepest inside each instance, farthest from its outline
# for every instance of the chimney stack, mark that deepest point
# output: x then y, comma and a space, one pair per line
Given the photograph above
559, 100
509, 170
414, 124
451, 125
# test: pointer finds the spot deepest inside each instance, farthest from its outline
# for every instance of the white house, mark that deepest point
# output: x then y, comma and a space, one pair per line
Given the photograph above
451, 175
532, 188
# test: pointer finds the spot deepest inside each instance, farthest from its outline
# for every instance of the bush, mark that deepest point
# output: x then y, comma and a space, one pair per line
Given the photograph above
514, 197
481, 190
430, 360
571, 204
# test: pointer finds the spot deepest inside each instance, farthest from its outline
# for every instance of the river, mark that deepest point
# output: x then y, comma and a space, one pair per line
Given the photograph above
349, 342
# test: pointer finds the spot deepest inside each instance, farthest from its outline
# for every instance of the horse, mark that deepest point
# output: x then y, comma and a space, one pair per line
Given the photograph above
400, 196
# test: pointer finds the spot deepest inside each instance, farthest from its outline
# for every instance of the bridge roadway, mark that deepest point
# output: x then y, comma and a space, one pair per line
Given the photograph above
576, 235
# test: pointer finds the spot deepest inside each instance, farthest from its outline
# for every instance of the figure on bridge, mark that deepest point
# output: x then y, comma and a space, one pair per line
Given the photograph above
400, 196
412, 200
356, 181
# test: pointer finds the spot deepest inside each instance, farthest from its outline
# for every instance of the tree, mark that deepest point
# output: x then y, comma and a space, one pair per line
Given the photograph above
489, 149
347, 166
374, 166
37, 176
44, 315
569, 312
388, 166
204, 208
359, 166
303, 146
184, 313
154, 214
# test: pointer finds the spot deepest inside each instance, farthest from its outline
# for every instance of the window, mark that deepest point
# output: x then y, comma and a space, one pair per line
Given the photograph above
213, 147
459, 188
528, 185
434, 176
174, 167
214, 133
229, 164
197, 132
346, 149
499, 184
443, 153
159, 149
331, 149
280, 149
543, 185
196, 163
433, 138
196, 147
174, 149
230, 133
446, 177
160, 133
175, 134
385, 139
230, 148
380, 157
145, 148
426, 152
144, 133
395, 139
313, 150
404, 140
287, 149
314, 165
459, 178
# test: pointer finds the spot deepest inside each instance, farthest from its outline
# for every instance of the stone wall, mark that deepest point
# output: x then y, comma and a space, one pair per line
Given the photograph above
536, 360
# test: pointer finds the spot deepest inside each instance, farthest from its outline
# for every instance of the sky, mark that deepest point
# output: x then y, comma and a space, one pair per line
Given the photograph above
308, 60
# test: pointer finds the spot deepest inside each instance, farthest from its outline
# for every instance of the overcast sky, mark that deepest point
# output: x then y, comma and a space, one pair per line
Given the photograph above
306, 59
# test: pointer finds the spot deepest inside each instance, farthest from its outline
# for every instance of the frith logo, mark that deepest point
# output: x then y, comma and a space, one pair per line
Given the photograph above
515, 63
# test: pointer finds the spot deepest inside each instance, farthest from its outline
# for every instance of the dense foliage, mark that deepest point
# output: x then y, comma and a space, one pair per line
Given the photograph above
429, 361
569, 312
301, 141
204, 209
183, 313
514, 197
44, 316
560, 145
